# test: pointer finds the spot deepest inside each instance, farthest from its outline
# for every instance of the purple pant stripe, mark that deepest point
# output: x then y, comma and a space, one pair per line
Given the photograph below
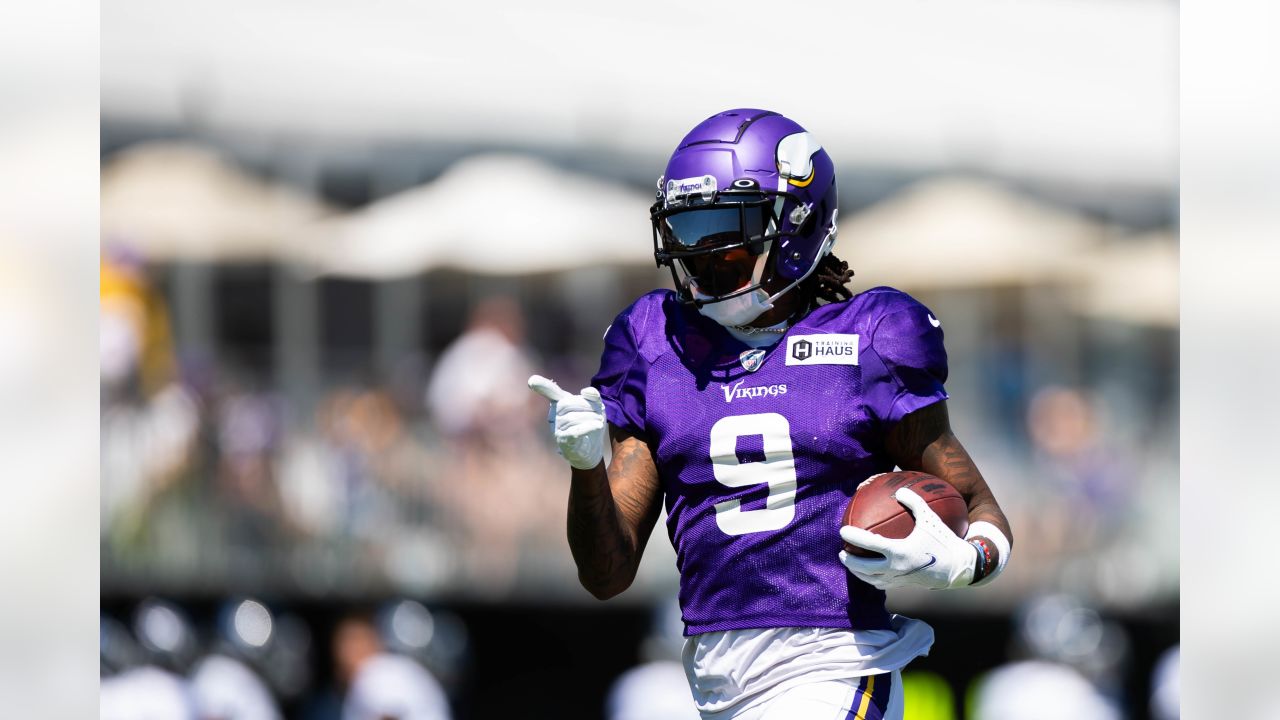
871, 706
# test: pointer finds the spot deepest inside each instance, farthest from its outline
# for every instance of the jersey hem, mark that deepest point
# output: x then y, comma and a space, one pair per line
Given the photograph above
837, 623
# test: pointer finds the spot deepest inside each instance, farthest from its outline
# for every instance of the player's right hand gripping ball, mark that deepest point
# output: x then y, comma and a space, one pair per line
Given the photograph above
925, 547
577, 420
875, 508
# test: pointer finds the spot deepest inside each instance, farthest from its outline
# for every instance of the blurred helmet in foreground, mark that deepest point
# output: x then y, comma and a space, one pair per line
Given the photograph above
436, 638
1061, 628
165, 634
277, 647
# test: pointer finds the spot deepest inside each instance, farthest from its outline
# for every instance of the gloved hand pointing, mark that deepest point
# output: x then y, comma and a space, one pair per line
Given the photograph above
577, 420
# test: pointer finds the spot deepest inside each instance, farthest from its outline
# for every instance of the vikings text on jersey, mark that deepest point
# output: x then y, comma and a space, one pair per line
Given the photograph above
759, 450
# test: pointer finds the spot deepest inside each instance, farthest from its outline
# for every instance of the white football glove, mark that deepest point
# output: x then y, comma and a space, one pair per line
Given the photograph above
577, 420
931, 556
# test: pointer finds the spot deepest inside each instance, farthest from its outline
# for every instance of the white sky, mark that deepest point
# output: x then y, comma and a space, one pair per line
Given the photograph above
1073, 89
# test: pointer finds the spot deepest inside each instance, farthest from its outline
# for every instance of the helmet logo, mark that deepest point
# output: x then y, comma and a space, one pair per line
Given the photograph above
704, 186
795, 158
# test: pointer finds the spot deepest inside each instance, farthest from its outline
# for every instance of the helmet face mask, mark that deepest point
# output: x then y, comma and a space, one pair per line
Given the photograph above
718, 247
769, 226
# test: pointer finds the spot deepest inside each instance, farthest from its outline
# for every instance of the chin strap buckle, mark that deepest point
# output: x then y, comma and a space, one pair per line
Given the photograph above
800, 214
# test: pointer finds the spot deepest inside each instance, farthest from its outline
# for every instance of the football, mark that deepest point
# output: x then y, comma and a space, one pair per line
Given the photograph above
874, 508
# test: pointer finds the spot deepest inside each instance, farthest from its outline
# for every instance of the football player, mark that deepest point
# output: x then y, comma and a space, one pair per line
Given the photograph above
754, 398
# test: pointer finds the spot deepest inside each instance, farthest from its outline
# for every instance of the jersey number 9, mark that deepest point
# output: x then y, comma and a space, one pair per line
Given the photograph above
778, 471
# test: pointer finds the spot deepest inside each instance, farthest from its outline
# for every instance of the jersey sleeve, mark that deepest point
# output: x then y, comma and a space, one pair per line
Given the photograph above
907, 338
621, 378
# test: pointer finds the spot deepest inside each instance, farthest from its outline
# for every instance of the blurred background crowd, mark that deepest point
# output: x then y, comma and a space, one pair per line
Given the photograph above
329, 262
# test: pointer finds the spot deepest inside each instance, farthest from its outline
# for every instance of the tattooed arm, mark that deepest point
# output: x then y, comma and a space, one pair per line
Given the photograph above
611, 515
923, 441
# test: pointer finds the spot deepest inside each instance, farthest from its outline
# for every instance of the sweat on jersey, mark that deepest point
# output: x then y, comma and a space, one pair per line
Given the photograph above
760, 449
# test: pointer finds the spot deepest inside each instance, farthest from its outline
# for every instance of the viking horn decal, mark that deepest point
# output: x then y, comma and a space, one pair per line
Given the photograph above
795, 158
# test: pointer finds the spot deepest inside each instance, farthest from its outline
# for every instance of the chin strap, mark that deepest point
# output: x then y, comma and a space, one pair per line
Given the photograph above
778, 329
747, 329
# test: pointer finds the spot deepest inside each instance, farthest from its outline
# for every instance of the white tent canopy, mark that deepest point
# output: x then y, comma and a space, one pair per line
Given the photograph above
957, 232
491, 214
170, 201
502, 214
1134, 280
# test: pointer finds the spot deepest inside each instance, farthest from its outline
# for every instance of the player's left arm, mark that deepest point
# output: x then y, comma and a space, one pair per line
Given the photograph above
932, 555
910, 362
923, 441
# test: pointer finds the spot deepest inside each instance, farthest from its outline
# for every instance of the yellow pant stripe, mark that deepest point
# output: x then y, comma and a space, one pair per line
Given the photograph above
866, 697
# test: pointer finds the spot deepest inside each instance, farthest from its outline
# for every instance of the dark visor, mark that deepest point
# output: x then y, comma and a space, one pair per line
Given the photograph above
700, 227
720, 273
717, 272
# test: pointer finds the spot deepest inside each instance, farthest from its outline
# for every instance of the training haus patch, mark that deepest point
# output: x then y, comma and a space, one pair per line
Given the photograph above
834, 349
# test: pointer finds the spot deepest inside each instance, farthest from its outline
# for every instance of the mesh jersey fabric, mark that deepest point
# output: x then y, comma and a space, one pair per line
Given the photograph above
760, 449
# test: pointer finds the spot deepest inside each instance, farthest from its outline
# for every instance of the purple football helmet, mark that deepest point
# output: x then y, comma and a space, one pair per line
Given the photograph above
747, 202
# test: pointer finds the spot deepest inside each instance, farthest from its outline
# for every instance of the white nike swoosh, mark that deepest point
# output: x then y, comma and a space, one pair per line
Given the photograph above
934, 321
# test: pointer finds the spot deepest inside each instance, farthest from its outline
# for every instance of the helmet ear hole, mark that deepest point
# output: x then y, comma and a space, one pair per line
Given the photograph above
808, 225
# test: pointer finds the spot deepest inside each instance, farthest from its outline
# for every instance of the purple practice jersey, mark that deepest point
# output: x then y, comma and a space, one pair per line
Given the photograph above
759, 450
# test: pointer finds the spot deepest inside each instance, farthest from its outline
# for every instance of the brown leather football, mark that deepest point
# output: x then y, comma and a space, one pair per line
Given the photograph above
874, 508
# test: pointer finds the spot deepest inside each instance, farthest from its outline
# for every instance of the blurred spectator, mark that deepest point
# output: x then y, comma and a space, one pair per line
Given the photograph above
470, 393
146, 448
381, 685
249, 428
135, 342
149, 422
656, 689
1086, 494
1066, 433
499, 481
365, 478
380, 469
311, 483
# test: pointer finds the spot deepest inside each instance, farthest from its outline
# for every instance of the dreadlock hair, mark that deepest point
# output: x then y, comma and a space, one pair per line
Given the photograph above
827, 283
